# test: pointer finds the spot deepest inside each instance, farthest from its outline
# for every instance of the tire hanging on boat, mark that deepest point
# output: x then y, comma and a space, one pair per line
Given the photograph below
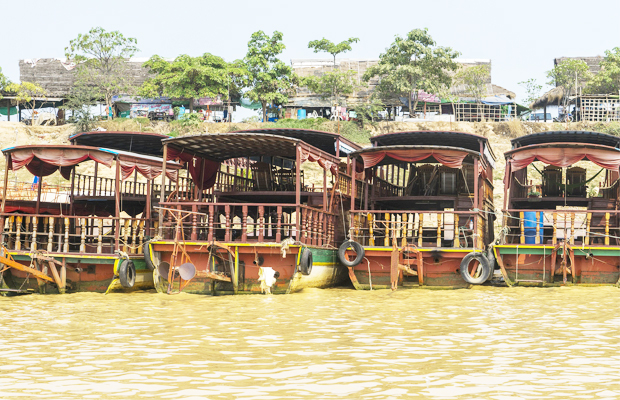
127, 273
305, 262
146, 251
356, 247
485, 266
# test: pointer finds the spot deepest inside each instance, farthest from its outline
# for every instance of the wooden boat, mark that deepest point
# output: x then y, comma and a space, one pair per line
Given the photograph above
427, 218
81, 236
256, 222
557, 229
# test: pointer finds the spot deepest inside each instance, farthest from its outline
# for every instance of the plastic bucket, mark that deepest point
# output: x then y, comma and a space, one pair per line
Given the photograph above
530, 226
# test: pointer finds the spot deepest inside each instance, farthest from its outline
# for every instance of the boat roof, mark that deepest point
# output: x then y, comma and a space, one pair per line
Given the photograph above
566, 137
325, 141
431, 138
389, 160
559, 147
225, 146
151, 160
137, 142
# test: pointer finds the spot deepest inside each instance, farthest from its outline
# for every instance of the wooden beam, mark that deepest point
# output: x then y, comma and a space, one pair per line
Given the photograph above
20, 267
162, 192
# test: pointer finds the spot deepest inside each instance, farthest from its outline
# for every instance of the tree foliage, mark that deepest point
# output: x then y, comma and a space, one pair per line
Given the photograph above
270, 80
532, 90
80, 101
101, 61
474, 79
568, 75
26, 93
412, 64
187, 77
333, 84
327, 46
4, 81
607, 81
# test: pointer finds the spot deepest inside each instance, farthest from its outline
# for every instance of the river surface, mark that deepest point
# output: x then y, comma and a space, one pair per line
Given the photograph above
484, 343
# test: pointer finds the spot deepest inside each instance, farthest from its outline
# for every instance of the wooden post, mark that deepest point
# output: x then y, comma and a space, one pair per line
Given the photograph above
476, 183
297, 196
83, 235
261, 223
95, 180
439, 218
38, 206
420, 228
386, 239
99, 236
162, 193
63, 275
6, 180
235, 275
18, 233
72, 190
324, 190
456, 241
50, 234
404, 233
522, 226
117, 197
353, 167
371, 229
588, 222
606, 229
572, 229
67, 225
147, 208
554, 240
33, 244
538, 223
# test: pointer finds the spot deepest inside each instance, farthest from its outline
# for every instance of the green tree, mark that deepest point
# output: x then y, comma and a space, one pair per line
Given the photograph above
270, 79
4, 81
327, 46
532, 90
608, 79
80, 101
569, 75
187, 77
474, 79
101, 62
412, 64
26, 93
333, 83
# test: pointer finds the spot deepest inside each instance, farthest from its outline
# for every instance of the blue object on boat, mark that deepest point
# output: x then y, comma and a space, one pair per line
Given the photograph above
530, 226
301, 114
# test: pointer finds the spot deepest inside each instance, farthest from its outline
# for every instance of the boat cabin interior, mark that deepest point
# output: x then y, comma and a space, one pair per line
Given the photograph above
251, 187
561, 190
424, 192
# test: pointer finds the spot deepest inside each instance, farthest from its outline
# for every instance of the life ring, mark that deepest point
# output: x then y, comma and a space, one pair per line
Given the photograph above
146, 251
357, 248
305, 262
127, 273
484, 264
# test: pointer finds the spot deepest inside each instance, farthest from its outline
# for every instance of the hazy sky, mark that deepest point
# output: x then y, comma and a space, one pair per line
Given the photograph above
520, 37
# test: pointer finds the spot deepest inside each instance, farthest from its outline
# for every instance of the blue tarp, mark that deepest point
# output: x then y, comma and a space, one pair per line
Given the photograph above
497, 100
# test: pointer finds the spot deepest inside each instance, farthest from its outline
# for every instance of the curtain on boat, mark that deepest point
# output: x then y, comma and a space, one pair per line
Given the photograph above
449, 158
46, 161
146, 170
565, 157
194, 163
323, 161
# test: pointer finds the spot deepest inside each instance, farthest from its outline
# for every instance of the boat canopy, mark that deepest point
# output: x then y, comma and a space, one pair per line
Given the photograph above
331, 143
566, 137
44, 160
451, 157
135, 142
564, 155
207, 151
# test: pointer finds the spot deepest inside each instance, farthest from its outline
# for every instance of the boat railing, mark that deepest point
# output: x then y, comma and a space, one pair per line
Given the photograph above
28, 191
586, 227
344, 185
458, 229
246, 222
74, 234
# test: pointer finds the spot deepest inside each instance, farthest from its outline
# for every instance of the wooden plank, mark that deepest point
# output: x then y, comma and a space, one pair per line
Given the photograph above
20, 267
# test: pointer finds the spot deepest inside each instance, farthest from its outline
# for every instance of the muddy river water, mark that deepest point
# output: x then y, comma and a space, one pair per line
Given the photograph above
490, 343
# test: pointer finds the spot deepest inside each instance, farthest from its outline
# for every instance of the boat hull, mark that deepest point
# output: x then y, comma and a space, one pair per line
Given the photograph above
247, 259
87, 273
441, 269
548, 265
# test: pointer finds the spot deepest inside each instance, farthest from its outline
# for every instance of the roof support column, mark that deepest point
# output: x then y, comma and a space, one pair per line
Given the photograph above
162, 193
117, 198
298, 191
6, 180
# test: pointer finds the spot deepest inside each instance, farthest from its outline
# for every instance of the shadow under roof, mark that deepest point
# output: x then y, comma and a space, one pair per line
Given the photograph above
566, 137
136, 142
325, 141
430, 138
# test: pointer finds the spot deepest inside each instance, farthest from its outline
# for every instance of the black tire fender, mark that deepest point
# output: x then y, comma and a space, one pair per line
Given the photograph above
146, 251
305, 262
486, 272
356, 247
127, 273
